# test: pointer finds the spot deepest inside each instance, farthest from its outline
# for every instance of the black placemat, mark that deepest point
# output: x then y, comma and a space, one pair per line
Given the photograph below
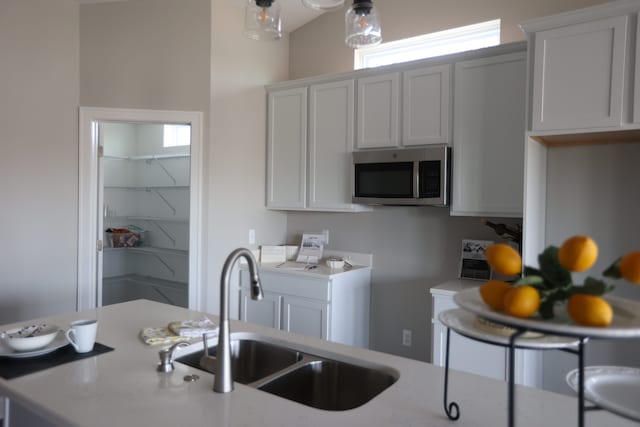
16, 367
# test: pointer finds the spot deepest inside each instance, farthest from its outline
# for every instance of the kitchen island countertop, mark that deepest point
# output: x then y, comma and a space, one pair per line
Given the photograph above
122, 387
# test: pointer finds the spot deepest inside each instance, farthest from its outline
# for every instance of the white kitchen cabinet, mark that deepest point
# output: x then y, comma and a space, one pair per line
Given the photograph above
488, 136
636, 75
378, 111
305, 316
331, 112
287, 148
578, 75
310, 169
584, 74
426, 105
464, 354
474, 356
425, 101
266, 312
334, 307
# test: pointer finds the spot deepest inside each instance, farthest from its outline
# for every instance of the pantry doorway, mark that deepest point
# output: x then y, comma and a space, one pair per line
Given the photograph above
140, 207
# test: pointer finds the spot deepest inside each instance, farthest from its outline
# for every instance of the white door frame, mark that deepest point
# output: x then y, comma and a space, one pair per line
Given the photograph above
88, 195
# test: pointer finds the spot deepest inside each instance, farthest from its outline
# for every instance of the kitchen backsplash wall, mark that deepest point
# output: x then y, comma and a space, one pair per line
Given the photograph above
414, 249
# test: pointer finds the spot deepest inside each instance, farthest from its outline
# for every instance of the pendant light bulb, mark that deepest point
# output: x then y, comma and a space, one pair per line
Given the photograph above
262, 20
362, 25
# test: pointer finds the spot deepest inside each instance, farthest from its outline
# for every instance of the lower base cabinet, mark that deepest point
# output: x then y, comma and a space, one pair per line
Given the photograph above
335, 308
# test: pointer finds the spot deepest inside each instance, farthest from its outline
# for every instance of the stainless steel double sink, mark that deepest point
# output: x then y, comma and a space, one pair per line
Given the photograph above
318, 381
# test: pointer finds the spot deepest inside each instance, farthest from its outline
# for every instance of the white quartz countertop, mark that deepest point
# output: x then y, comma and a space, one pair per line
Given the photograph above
122, 387
312, 270
453, 286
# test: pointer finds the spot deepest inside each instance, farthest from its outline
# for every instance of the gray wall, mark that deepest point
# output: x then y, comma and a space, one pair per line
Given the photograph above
145, 54
150, 54
240, 68
38, 157
593, 190
191, 55
318, 47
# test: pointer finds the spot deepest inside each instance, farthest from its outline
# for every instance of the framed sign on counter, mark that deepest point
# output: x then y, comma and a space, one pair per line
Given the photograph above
473, 261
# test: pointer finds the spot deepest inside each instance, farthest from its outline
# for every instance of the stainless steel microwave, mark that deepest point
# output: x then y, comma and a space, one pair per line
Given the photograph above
410, 176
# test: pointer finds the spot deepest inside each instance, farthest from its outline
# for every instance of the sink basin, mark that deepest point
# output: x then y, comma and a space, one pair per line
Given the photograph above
330, 385
251, 360
321, 382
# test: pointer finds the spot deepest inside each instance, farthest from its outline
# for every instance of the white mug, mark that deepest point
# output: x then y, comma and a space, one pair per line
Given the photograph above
82, 335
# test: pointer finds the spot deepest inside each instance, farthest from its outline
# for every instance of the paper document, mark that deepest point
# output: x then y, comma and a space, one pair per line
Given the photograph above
311, 248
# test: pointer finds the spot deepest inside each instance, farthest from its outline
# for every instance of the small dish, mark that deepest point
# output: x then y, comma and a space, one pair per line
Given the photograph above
614, 388
59, 341
30, 337
335, 263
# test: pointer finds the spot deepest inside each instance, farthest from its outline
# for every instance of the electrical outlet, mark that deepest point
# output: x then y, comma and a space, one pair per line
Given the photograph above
252, 236
406, 337
326, 236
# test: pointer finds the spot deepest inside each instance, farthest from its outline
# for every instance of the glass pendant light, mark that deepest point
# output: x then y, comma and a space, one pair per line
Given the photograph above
262, 20
362, 25
323, 4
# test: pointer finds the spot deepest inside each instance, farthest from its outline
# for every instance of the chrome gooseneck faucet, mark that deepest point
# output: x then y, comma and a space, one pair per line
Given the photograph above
223, 382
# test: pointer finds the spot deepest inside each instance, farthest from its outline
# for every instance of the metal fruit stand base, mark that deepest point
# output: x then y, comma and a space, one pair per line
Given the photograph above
571, 339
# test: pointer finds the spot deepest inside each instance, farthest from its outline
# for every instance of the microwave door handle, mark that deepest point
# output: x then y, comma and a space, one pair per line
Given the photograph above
416, 180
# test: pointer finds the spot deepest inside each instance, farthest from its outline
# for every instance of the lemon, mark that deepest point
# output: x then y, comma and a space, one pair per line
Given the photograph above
504, 259
521, 301
589, 310
630, 267
492, 293
578, 253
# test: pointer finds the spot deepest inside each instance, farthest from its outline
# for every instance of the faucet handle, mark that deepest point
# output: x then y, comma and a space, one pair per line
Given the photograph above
166, 357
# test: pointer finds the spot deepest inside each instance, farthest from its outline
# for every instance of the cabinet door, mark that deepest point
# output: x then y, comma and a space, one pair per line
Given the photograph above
578, 75
305, 316
331, 111
464, 354
265, 312
636, 74
426, 106
488, 136
470, 356
378, 111
286, 149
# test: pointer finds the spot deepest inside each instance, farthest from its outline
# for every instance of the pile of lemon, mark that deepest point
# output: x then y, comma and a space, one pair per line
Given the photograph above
526, 296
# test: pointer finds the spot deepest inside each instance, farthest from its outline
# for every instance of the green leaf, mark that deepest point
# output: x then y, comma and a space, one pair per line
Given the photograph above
592, 287
546, 308
551, 270
613, 271
530, 280
530, 271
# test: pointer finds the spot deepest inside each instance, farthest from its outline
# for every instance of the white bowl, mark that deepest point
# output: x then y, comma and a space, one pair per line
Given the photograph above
30, 337
335, 263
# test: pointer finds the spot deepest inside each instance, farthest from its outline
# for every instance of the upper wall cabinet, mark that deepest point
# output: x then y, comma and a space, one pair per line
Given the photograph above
310, 168
417, 115
426, 105
331, 111
582, 69
287, 149
378, 111
488, 136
